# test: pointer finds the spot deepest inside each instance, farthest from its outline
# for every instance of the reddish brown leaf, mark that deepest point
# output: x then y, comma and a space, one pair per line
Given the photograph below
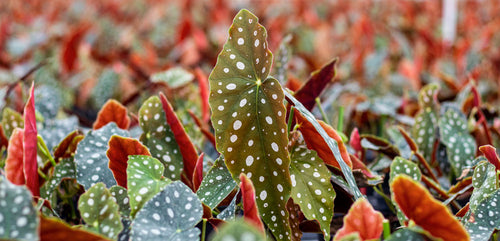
315, 142
295, 219
355, 141
203, 86
52, 229
313, 88
68, 145
69, 53
30, 145
119, 150
112, 111
198, 173
203, 128
4, 142
362, 219
189, 154
250, 211
14, 170
408, 139
490, 153
359, 165
419, 205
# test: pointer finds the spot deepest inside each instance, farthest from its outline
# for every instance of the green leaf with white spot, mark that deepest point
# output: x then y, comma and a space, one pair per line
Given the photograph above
170, 215
424, 131
104, 89
401, 166
159, 138
406, 234
481, 222
100, 211
311, 187
484, 181
48, 101
229, 213
460, 145
121, 198
64, 169
10, 120
90, 157
174, 77
144, 180
18, 217
216, 185
249, 119
238, 230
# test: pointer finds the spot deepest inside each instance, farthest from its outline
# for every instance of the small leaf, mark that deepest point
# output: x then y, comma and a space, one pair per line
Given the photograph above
120, 148
170, 215
69, 53
424, 131
216, 185
11, 120
406, 234
364, 220
30, 145
401, 166
204, 94
158, 137
311, 187
100, 211
189, 154
14, 167
103, 90
485, 182
68, 145
249, 118
53, 229
121, 198
379, 144
144, 180
198, 173
174, 77
229, 213
491, 155
314, 141
64, 169
238, 231
428, 213
460, 145
481, 222
250, 210
91, 160
112, 111
318, 81
18, 216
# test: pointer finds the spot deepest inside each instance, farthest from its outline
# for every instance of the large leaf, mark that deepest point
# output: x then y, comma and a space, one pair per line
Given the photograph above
419, 205
18, 216
100, 211
460, 145
424, 131
30, 145
238, 231
249, 119
144, 180
401, 166
91, 160
481, 222
485, 182
362, 219
14, 169
170, 215
158, 137
112, 111
120, 148
216, 185
311, 187
332, 144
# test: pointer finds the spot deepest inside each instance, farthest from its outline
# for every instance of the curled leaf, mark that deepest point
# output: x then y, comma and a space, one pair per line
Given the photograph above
362, 219
250, 210
112, 111
491, 155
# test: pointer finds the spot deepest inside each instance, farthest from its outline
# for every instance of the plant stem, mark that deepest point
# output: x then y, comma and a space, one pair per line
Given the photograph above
340, 123
325, 118
387, 228
204, 229
290, 119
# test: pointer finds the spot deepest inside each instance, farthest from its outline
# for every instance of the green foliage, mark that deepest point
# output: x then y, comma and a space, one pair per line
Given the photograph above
64, 169
425, 129
11, 120
401, 166
216, 185
238, 231
174, 77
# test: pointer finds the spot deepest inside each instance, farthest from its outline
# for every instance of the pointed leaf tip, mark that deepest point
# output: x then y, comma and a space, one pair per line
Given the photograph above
30, 145
112, 111
491, 155
362, 219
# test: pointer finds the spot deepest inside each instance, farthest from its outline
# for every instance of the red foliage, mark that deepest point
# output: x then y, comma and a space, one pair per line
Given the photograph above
112, 111
14, 168
250, 210
491, 154
30, 145
198, 173
364, 220
69, 53
52, 229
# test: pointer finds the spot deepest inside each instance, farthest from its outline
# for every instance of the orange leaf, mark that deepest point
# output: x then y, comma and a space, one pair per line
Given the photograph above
119, 150
112, 111
250, 211
69, 53
189, 154
14, 170
362, 219
419, 205
315, 142
51, 229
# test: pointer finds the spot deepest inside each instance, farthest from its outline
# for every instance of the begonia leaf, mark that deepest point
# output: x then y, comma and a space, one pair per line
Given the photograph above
362, 219
112, 111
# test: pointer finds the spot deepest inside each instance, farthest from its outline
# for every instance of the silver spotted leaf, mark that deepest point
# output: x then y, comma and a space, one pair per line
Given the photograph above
406, 234
64, 169
170, 215
174, 77
159, 138
424, 131
238, 230
249, 119
11, 120
460, 145
144, 180
48, 101
481, 222
216, 185
18, 217
120, 195
484, 181
100, 211
311, 187
90, 157
229, 213
401, 166
104, 89
54, 131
